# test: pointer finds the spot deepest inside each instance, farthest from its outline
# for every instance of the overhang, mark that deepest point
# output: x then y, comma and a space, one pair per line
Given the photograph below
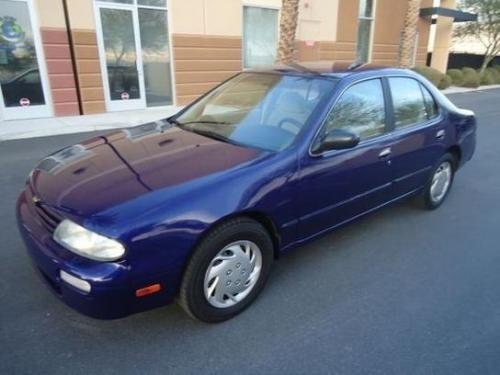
457, 15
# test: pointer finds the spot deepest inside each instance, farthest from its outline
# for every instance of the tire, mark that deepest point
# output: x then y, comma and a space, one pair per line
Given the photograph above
429, 199
220, 267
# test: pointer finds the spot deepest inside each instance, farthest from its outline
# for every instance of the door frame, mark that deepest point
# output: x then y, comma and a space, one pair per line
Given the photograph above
35, 111
115, 105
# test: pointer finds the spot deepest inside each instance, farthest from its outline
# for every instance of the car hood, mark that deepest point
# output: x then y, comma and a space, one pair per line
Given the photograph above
111, 169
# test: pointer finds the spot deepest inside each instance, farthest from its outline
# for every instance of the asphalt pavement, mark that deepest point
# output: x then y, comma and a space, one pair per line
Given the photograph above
403, 291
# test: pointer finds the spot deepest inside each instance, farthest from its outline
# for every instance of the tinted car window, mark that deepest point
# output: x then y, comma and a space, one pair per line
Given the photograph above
260, 110
430, 103
360, 110
409, 107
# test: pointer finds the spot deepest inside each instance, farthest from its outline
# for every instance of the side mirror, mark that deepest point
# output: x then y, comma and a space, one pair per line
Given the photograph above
336, 139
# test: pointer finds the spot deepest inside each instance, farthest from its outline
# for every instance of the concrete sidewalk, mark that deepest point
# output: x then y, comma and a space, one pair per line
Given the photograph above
41, 127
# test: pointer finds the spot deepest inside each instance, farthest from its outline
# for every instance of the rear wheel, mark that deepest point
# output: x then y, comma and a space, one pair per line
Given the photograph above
439, 185
227, 270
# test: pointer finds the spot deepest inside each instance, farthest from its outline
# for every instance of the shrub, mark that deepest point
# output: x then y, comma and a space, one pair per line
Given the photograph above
471, 78
457, 76
487, 77
433, 75
445, 82
495, 74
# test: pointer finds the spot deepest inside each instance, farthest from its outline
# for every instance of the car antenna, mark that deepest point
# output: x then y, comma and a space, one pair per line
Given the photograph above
355, 65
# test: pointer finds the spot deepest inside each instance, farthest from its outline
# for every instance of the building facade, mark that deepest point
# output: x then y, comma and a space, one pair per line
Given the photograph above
71, 57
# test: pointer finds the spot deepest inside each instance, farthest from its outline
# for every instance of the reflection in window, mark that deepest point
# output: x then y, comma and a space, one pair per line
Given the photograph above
430, 103
365, 23
360, 110
155, 56
260, 36
408, 102
19, 75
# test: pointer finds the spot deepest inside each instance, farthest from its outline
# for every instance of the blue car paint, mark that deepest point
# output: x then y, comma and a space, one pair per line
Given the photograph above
161, 205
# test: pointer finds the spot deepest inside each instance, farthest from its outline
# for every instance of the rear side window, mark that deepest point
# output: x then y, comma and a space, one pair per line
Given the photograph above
408, 102
430, 103
360, 110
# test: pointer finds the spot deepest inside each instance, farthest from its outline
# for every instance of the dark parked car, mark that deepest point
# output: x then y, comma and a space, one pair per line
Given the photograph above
199, 205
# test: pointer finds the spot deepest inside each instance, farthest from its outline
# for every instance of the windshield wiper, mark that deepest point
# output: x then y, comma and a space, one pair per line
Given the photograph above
211, 134
203, 122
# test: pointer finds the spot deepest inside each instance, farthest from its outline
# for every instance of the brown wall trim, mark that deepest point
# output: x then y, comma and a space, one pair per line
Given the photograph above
203, 61
89, 71
60, 71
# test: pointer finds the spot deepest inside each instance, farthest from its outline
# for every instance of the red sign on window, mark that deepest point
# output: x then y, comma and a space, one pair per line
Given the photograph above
24, 102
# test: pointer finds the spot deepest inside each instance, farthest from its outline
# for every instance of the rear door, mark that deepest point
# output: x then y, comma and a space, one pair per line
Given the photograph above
418, 135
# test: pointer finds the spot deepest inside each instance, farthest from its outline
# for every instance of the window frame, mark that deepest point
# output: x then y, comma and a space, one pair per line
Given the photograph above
388, 117
251, 4
372, 29
390, 106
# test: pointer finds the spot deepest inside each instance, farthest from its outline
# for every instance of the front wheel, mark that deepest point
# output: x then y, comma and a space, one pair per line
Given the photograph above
439, 185
227, 270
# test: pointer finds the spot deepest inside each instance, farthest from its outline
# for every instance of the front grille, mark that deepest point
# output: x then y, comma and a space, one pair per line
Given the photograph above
48, 218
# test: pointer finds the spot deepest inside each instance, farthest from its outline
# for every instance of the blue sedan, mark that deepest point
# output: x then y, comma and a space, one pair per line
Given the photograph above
197, 207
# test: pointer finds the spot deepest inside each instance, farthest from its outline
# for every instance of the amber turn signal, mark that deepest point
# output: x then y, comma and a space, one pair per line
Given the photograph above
148, 290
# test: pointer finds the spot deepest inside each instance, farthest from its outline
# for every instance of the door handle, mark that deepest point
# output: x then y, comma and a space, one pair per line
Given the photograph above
385, 152
440, 134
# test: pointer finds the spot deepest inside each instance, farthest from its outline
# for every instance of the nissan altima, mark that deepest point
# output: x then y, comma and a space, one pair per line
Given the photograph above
196, 207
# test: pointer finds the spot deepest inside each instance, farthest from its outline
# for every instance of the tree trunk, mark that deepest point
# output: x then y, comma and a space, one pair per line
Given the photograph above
408, 35
288, 27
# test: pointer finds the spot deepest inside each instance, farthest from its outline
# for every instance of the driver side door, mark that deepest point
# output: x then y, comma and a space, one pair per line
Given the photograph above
337, 186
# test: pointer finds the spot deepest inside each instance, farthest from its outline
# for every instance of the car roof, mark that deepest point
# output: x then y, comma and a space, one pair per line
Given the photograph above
334, 69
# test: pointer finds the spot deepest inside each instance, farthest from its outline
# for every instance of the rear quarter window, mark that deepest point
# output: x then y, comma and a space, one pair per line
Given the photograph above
408, 102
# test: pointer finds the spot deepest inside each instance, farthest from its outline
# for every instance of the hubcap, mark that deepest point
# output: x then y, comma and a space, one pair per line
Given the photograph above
441, 182
232, 274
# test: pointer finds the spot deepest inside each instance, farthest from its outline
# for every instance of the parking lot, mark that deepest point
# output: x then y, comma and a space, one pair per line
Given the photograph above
401, 291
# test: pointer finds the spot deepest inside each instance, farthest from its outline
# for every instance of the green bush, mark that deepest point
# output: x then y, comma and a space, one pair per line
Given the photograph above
487, 77
445, 82
433, 75
471, 78
457, 76
495, 74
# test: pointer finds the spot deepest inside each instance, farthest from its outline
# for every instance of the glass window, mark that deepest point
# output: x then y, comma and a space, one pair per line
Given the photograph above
365, 22
155, 56
260, 110
408, 102
360, 110
153, 3
430, 103
121, 54
260, 36
19, 74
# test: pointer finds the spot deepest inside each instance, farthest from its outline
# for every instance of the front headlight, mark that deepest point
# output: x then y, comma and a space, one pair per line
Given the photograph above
86, 243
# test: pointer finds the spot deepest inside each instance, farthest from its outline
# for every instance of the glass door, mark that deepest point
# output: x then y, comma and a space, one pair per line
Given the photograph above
121, 64
23, 83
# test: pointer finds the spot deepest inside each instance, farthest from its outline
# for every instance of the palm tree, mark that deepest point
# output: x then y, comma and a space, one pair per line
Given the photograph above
408, 35
288, 28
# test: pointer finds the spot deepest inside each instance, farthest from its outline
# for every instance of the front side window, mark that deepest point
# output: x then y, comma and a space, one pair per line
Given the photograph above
260, 36
408, 102
365, 26
360, 110
262, 110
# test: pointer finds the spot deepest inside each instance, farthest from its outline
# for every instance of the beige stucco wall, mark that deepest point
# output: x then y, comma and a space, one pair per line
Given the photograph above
81, 14
317, 20
50, 13
443, 39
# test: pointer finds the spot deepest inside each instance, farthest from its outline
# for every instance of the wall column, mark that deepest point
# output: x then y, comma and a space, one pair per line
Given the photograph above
442, 40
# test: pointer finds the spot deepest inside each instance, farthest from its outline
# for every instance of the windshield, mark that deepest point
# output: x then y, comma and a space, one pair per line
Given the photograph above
262, 110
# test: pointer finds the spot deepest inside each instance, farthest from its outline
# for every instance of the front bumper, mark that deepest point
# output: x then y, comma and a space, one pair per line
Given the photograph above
112, 293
